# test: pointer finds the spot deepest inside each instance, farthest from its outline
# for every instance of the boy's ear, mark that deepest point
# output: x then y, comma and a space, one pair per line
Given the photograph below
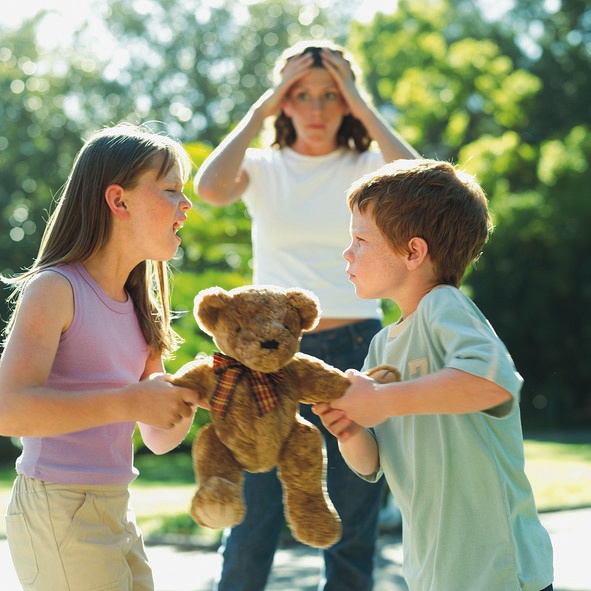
418, 249
114, 196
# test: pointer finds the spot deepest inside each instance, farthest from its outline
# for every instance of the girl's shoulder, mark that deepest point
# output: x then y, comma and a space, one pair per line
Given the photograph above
52, 281
48, 298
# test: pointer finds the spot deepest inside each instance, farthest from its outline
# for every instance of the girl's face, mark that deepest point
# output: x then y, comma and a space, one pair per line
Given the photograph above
158, 209
374, 268
316, 108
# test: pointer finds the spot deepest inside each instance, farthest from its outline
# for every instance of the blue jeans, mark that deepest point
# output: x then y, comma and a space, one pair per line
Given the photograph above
248, 548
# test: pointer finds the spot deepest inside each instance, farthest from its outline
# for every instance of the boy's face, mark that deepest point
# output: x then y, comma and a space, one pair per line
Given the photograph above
374, 268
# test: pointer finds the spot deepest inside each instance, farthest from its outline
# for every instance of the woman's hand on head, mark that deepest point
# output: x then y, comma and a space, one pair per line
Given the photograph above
270, 103
340, 69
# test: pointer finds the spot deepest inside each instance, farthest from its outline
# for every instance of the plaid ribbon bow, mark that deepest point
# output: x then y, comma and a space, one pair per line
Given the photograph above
229, 371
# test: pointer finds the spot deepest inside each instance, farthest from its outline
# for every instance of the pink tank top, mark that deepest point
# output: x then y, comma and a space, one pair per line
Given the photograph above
103, 348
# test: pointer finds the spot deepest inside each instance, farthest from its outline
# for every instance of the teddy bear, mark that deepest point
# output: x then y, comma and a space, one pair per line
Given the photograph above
253, 387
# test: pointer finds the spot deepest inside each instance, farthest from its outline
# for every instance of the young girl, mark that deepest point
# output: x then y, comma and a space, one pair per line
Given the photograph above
83, 363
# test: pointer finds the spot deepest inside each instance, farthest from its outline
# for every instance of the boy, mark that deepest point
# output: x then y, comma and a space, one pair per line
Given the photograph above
448, 436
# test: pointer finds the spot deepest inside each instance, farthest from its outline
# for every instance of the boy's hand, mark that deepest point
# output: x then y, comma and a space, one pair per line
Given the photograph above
361, 401
335, 421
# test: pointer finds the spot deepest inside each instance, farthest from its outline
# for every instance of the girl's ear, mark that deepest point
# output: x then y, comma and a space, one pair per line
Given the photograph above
418, 249
114, 196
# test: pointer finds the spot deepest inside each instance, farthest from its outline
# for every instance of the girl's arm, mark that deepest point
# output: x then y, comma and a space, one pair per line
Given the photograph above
29, 408
158, 440
391, 144
447, 391
357, 446
220, 180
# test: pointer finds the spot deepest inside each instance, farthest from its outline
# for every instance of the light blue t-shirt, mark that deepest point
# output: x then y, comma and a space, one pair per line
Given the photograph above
469, 517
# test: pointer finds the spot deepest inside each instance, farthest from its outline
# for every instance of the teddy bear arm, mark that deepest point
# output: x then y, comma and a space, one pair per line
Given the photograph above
317, 381
197, 375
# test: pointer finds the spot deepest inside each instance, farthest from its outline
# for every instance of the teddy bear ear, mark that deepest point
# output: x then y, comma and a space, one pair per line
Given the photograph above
306, 303
209, 304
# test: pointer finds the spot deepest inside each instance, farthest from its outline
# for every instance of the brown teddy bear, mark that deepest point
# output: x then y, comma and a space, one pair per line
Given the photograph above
254, 387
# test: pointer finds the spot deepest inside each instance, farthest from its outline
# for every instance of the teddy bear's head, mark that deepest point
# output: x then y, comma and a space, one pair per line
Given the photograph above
260, 326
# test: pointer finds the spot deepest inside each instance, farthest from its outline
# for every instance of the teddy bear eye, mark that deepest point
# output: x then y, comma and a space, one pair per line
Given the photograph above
238, 329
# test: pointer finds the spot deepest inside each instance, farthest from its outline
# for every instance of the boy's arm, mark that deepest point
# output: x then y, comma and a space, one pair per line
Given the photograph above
357, 446
447, 391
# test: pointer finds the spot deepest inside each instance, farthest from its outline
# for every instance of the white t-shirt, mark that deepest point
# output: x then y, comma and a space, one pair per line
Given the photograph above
469, 518
300, 223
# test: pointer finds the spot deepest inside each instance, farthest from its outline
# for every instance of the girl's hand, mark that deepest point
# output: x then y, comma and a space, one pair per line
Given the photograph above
335, 421
163, 405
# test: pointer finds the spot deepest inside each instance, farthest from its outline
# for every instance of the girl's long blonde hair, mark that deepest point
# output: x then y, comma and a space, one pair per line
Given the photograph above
80, 224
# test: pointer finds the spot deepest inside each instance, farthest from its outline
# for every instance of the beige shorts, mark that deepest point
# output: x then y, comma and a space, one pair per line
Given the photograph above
75, 538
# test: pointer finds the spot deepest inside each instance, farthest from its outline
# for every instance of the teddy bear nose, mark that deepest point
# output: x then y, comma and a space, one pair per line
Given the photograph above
270, 345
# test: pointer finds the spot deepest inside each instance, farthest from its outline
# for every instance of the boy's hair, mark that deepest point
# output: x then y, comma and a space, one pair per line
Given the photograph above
431, 200
352, 133
80, 224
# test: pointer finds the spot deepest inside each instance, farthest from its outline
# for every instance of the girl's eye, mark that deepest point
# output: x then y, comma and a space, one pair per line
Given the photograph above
331, 96
302, 96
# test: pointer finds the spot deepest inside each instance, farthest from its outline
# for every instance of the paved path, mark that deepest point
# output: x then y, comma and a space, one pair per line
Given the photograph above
296, 568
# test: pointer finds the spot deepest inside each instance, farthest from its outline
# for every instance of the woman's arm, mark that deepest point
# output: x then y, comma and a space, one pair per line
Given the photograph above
220, 180
29, 408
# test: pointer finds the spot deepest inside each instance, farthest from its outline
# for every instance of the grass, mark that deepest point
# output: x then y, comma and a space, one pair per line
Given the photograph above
560, 474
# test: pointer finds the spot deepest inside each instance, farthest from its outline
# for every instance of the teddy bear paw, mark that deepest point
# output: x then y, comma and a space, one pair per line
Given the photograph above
384, 374
218, 504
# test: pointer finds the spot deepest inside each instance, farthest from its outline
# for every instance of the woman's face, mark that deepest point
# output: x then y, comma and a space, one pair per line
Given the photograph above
316, 108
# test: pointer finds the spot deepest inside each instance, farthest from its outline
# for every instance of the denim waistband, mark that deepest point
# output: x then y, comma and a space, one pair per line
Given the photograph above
350, 332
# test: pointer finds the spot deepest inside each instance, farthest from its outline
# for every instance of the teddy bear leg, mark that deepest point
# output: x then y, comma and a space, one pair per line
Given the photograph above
219, 500
308, 510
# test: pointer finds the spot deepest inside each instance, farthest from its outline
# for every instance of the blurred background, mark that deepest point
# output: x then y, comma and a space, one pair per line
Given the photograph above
500, 87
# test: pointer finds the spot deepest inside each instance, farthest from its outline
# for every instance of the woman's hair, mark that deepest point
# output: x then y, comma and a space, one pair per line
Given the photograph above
432, 200
80, 225
351, 133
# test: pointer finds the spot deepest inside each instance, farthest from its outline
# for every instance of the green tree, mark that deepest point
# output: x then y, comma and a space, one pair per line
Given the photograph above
37, 144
